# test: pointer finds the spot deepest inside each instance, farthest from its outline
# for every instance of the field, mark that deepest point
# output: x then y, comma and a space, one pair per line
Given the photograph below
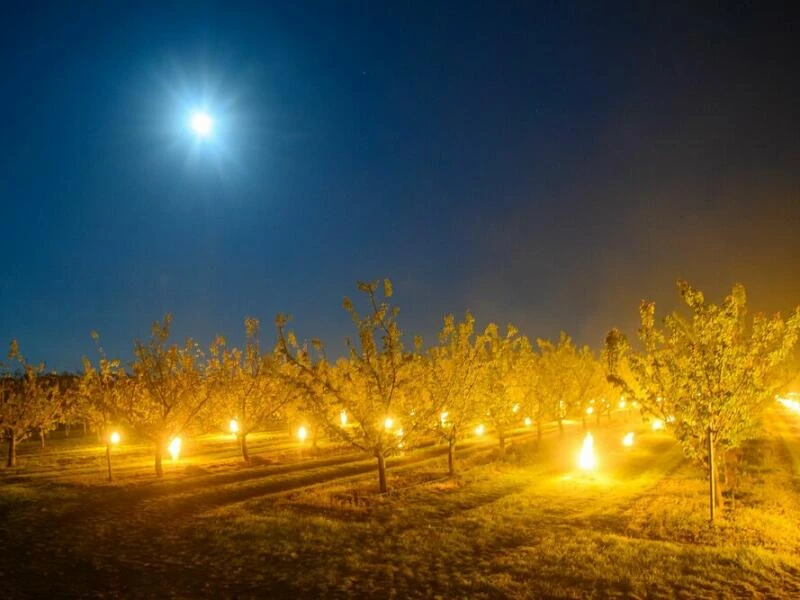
303, 523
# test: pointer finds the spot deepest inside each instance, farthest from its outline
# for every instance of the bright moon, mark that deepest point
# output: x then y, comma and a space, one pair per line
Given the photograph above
202, 124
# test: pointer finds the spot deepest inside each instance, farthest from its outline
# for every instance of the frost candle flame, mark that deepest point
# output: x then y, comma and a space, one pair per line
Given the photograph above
175, 448
587, 460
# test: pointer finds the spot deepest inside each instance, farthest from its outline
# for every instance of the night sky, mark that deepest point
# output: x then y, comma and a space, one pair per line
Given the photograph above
539, 164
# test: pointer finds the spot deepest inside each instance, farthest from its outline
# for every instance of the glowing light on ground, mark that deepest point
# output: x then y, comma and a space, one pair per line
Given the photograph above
628, 439
657, 425
587, 459
234, 426
528, 421
589, 410
790, 402
175, 448
480, 429
302, 433
201, 123
622, 403
388, 423
114, 438
343, 417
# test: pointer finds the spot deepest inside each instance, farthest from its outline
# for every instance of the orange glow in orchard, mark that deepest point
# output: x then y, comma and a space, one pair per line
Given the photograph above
587, 460
175, 448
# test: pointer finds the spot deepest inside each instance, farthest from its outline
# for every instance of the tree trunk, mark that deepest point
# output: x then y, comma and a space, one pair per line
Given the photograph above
382, 473
583, 420
41, 437
538, 432
243, 443
159, 468
712, 477
501, 436
451, 457
560, 427
12, 450
108, 460
66, 429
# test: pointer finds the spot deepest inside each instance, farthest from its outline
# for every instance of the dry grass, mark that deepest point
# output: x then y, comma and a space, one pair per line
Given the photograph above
528, 525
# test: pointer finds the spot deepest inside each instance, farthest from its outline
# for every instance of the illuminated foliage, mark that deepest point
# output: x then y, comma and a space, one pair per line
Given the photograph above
592, 389
98, 388
708, 375
248, 385
53, 395
29, 401
556, 378
375, 382
526, 378
503, 396
166, 391
705, 377
453, 373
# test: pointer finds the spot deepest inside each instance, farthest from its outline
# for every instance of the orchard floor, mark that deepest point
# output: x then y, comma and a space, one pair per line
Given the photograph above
293, 525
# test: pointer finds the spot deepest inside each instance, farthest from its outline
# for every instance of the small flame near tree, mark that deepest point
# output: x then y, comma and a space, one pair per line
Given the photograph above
175, 448
587, 459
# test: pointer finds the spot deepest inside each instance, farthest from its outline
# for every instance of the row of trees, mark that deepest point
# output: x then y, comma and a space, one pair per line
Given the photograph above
708, 375
468, 377
30, 400
381, 398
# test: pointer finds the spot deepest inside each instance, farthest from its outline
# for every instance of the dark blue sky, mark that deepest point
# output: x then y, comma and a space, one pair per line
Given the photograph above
539, 164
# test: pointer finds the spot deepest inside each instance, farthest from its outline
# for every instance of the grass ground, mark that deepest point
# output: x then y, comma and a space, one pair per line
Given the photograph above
526, 525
